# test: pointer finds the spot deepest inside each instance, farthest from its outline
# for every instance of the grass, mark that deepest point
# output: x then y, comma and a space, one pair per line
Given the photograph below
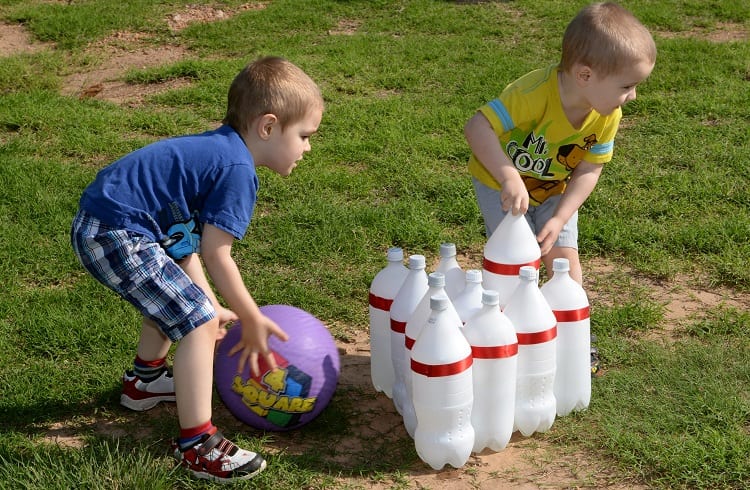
387, 168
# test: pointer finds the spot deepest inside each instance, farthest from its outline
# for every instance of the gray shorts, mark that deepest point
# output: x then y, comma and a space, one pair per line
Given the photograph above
492, 211
140, 271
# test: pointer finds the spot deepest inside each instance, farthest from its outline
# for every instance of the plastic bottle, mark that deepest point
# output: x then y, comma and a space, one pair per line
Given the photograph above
469, 301
570, 306
536, 329
436, 287
448, 265
494, 347
443, 391
406, 300
383, 289
511, 246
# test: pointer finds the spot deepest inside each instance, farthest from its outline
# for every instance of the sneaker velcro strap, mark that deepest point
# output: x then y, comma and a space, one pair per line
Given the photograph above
210, 443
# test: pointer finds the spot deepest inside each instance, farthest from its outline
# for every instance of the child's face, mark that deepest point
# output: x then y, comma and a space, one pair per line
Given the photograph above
605, 94
288, 146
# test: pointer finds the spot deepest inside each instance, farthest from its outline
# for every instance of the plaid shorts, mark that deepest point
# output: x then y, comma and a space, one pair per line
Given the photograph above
140, 271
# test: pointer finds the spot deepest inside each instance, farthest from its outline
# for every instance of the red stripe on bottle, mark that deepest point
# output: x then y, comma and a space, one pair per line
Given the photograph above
572, 315
537, 337
494, 352
398, 327
380, 303
439, 370
408, 342
507, 269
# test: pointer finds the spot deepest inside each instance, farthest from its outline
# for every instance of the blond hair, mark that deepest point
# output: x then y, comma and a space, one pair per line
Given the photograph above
607, 38
270, 85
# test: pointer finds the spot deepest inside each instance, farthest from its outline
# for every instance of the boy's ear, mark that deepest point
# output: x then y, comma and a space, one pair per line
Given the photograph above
266, 123
583, 74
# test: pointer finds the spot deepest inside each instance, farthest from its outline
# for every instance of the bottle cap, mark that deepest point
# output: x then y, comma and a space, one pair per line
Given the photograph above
447, 249
439, 302
416, 262
528, 272
395, 254
490, 297
560, 265
473, 275
436, 280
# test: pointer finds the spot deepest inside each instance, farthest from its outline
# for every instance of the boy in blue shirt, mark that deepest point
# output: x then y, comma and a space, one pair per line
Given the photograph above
149, 218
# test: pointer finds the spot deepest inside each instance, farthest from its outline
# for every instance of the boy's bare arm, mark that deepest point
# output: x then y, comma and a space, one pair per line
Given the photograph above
582, 182
216, 251
486, 147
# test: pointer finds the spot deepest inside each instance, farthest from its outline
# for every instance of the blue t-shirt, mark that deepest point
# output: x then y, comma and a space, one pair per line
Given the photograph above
210, 175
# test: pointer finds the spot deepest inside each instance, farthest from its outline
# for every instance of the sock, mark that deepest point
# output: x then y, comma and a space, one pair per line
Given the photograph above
189, 437
148, 370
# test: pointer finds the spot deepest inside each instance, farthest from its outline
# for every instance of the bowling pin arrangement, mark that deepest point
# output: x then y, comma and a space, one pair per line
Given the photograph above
477, 355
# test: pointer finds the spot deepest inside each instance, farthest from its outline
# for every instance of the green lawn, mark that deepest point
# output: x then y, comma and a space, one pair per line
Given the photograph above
388, 167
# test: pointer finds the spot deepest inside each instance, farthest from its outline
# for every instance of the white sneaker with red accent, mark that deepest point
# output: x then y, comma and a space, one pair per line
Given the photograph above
140, 396
216, 458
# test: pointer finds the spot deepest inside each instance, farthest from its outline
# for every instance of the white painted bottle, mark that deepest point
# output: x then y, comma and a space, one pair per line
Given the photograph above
536, 329
383, 290
469, 301
494, 348
570, 304
511, 246
406, 300
448, 265
443, 392
436, 287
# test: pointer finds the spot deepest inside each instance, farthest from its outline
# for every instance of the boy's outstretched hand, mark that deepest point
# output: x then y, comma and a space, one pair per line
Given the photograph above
514, 196
547, 236
254, 343
226, 318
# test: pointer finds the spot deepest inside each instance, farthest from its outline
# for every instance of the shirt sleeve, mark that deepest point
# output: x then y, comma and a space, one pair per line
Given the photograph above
229, 204
602, 150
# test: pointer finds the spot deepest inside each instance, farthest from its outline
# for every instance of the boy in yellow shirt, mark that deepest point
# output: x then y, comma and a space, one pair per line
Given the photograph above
539, 148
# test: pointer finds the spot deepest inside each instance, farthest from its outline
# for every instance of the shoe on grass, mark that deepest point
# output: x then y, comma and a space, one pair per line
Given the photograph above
215, 458
142, 395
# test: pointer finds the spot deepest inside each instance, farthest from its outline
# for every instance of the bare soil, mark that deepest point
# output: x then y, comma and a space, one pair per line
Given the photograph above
526, 462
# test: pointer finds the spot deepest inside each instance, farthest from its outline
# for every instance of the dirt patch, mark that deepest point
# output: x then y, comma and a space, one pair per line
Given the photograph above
119, 53
345, 27
14, 40
207, 13
723, 32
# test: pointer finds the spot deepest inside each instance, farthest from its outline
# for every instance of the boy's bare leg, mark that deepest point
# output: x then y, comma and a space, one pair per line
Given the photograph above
567, 253
193, 374
153, 344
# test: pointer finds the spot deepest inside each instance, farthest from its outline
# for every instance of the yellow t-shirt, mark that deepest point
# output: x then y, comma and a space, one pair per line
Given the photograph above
531, 125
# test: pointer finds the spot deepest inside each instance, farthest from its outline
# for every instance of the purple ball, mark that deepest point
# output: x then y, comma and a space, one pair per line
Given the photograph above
292, 395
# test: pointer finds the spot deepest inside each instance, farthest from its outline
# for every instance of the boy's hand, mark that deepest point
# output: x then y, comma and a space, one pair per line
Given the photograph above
226, 317
514, 196
547, 236
254, 342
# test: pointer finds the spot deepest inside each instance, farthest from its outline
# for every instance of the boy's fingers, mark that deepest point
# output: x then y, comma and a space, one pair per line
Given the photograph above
271, 360
281, 335
254, 367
